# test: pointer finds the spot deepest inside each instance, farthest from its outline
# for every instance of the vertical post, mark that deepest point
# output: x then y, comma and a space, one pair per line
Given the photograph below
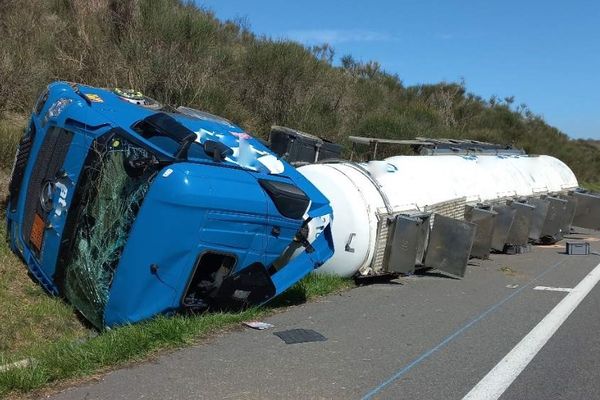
317, 150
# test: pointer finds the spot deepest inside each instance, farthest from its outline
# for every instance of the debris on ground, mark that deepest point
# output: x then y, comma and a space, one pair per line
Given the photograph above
258, 325
294, 336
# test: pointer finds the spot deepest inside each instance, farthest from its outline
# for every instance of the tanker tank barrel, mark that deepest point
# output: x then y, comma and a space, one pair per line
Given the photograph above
450, 201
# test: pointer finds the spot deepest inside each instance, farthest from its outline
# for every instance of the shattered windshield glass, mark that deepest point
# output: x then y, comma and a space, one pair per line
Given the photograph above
113, 187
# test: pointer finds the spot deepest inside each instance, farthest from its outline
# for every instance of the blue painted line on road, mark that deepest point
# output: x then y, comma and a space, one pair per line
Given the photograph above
454, 335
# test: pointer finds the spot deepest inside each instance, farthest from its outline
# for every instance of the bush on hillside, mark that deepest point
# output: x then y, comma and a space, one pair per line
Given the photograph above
180, 54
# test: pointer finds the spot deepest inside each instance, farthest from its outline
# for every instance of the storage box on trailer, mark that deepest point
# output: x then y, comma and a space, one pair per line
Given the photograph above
484, 218
297, 146
407, 242
502, 226
519, 231
587, 213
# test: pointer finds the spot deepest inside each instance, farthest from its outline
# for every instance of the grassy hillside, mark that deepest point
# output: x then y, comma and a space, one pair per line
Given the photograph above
595, 143
179, 54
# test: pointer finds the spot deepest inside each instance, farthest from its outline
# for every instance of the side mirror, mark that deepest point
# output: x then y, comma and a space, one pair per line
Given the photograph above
217, 150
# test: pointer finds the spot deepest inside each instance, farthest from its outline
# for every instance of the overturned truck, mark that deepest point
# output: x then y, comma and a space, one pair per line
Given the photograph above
129, 208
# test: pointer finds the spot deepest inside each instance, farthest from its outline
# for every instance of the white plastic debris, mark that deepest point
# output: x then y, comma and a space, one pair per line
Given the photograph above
258, 325
19, 364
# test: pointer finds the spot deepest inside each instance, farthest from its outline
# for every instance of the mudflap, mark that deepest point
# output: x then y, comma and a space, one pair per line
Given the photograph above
484, 218
503, 223
587, 210
450, 243
406, 243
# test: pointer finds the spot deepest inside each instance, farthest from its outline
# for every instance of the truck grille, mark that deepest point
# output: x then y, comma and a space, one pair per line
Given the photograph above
21, 159
49, 162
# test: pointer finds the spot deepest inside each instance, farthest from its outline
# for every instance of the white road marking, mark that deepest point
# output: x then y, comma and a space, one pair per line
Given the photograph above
495, 383
553, 289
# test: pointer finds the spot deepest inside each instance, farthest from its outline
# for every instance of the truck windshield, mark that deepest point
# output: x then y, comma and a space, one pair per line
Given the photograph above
165, 132
171, 147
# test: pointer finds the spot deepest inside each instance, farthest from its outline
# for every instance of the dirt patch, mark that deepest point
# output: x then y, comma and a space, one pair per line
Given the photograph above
4, 179
508, 271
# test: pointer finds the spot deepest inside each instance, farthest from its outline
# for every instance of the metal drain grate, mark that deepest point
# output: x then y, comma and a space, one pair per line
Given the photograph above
294, 336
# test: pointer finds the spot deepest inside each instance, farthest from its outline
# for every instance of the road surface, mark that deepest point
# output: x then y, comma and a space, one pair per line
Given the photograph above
516, 327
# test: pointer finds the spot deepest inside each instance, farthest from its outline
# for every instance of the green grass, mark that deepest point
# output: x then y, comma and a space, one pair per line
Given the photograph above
47, 330
67, 358
594, 187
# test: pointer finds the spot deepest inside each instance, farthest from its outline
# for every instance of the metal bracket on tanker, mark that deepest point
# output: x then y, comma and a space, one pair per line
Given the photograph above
435, 146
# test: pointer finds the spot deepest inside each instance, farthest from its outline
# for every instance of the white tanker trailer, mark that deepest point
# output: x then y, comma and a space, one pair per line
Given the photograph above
435, 211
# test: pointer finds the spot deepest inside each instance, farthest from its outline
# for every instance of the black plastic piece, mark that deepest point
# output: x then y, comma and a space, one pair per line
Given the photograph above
209, 273
302, 236
162, 124
41, 102
217, 150
290, 201
297, 146
250, 286
154, 269
517, 249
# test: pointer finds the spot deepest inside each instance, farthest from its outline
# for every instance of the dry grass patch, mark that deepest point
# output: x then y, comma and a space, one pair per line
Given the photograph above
11, 130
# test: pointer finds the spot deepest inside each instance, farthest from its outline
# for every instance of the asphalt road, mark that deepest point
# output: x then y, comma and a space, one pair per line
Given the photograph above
424, 337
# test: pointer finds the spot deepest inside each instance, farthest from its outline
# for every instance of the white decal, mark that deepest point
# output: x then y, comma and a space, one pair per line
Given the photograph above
62, 199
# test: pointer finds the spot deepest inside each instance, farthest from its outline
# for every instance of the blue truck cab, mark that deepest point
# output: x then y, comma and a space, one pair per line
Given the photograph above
129, 208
